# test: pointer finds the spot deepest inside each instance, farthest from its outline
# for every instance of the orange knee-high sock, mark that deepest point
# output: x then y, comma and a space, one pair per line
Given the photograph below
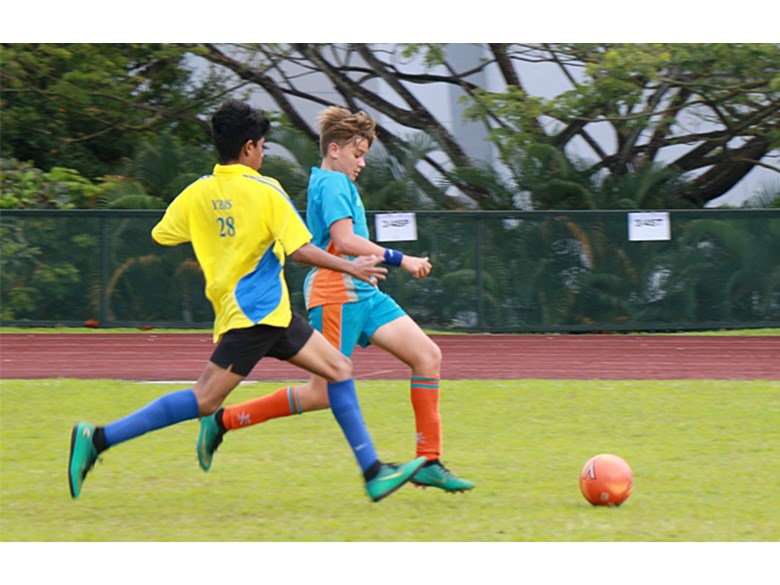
281, 402
425, 401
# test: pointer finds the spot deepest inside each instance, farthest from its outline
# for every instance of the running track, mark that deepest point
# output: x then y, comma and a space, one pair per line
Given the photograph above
182, 356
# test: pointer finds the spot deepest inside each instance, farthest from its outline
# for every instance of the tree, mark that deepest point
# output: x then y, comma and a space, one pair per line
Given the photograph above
87, 106
722, 270
709, 113
28, 187
720, 102
158, 171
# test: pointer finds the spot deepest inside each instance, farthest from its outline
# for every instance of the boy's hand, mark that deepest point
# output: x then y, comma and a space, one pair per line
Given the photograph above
418, 267
366, 268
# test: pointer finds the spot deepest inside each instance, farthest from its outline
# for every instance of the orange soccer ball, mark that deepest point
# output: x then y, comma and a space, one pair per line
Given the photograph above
606, 480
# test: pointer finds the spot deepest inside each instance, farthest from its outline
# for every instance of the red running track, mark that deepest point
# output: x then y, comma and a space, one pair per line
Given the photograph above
182, 356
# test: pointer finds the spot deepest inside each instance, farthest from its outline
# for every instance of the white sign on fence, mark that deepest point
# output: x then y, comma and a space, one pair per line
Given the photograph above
396, 227
649, 226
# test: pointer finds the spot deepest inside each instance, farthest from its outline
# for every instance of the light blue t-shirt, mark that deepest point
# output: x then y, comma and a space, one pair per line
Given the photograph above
332, 196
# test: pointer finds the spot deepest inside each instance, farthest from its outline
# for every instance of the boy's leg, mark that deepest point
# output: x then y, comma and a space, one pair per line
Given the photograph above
88, 440
341, 332
282, 402
285, 401
167, 410
404, 339
321, 358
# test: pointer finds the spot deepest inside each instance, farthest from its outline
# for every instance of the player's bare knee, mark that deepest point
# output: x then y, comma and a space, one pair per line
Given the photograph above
436, 355
428, 360
341, 369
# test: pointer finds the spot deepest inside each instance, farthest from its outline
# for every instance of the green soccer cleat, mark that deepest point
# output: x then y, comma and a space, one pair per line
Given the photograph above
434, 474
391, 477
209, 438
83, 455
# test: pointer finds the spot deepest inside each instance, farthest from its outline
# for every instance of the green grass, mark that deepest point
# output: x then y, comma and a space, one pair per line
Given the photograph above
704, 455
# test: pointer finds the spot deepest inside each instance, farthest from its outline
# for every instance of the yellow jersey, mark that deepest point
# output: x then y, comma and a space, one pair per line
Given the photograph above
242, 226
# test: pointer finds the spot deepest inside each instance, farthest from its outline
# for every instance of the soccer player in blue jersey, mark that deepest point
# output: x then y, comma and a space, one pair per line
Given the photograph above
242, 226
347, 311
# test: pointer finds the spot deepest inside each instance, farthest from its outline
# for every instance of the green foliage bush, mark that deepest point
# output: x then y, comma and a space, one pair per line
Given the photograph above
27, 187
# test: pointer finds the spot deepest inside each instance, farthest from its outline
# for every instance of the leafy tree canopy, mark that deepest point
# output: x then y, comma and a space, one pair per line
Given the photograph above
693, 119
86, 106
711, 110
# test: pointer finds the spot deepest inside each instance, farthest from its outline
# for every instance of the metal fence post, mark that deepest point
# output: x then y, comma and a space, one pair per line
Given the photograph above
104, 269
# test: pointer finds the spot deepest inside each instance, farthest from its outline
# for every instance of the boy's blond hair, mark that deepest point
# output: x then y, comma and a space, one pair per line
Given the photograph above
341, 126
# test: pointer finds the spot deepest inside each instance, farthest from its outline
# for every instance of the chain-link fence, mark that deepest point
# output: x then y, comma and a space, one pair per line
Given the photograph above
493, 271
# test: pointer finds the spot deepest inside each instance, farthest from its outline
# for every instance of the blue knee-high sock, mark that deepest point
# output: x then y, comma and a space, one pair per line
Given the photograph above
165, 411
344, 404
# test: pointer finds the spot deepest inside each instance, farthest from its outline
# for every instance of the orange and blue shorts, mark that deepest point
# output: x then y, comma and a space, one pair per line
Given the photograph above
346, 325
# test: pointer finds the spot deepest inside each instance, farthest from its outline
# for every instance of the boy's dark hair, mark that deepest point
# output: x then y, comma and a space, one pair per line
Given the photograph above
232, 125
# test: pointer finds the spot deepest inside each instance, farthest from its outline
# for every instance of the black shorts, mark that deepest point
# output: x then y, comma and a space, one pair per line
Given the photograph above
240, 349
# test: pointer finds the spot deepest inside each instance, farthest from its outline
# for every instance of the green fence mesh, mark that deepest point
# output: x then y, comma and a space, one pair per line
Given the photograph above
493, 271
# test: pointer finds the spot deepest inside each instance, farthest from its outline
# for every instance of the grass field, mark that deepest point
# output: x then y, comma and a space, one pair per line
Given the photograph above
704, 456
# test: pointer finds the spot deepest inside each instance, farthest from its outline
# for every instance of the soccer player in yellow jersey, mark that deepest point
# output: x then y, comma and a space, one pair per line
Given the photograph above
242, 226
349, 312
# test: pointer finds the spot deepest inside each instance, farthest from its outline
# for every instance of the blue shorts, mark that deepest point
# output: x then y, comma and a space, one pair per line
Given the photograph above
349, 324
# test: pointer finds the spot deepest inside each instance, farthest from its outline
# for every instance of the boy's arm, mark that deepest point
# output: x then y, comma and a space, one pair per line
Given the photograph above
363, 267
347, 242
173, 228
